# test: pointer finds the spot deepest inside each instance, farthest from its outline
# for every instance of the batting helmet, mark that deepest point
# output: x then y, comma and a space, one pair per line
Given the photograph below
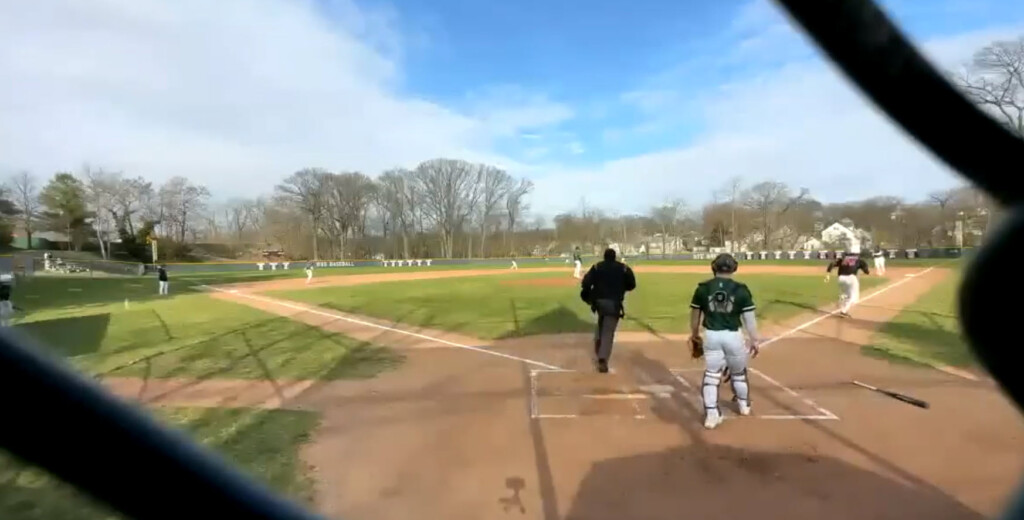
725, 264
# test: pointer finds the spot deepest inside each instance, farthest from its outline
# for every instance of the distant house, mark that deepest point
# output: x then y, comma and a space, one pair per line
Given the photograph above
845, 236
808, 243
673, 244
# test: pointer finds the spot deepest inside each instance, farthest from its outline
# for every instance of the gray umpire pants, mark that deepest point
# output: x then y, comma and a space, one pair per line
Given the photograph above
607, 322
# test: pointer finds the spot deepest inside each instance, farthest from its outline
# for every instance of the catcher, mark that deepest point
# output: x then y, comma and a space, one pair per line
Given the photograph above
722, 305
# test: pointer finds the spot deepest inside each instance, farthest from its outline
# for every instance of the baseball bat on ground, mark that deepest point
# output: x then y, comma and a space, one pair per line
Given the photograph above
895, 395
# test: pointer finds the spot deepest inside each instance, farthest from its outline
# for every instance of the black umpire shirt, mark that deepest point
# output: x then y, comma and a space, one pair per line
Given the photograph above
609, 280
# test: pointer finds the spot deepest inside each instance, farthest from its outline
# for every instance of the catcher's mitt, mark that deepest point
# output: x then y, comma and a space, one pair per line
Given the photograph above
697, 346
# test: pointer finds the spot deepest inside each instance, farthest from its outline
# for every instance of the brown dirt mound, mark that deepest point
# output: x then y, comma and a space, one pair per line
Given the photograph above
543, 282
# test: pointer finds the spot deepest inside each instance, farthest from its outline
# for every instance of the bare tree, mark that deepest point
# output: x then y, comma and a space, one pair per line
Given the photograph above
131, 197
994, 80
731, 194
101, 200
666, 216
769, 200
397, 190
495, 185
516, 205
348, 199
307, 190
450, 191
237, 215
26, 198
182, 202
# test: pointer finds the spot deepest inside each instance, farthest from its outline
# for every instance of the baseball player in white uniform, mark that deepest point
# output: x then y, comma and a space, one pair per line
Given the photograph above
577, 260
847, 266
6, 306
879, 256
309, 271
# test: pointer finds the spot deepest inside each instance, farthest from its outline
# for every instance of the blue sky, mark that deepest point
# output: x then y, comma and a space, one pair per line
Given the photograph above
623, 104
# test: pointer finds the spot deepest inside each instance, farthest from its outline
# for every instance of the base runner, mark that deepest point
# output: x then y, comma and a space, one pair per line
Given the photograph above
879, 256
847, 266
723, 305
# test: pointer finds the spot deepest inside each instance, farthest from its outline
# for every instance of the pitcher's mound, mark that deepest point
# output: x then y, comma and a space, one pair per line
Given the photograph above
568, 281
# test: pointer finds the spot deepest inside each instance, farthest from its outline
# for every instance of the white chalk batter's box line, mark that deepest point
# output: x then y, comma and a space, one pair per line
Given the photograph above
535, 406
822, 415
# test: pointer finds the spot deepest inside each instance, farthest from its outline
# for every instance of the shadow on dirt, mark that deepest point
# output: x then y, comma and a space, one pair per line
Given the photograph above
708, 481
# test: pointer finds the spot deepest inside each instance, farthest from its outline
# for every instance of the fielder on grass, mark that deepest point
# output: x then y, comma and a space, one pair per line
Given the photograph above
161, 276
879, 256
577, 260
309, 271
847, 266
722, 305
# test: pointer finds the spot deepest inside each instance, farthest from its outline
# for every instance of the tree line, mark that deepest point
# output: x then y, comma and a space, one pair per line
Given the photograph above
442, 208
451, 208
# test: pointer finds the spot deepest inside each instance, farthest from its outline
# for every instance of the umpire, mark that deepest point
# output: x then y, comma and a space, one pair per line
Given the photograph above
604, 289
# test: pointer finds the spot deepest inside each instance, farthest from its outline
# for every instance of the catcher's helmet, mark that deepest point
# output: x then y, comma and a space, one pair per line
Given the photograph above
725, 264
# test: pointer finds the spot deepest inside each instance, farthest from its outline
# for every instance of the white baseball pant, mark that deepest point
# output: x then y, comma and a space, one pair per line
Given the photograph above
849, 291
578, 272
880, 264
724, 348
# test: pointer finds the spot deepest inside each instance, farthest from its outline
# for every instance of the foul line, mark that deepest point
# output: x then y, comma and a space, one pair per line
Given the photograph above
803, 326
823, 414
381, 327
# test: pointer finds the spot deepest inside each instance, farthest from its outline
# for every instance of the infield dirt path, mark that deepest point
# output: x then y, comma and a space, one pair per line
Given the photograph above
452, 434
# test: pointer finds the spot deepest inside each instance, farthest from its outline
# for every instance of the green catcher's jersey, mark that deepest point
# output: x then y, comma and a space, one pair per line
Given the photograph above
722, 301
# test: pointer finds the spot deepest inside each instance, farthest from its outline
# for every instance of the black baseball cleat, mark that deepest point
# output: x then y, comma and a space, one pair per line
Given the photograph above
602, 366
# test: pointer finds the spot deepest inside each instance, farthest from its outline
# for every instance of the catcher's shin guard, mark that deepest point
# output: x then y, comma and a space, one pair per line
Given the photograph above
709, 390
741, 387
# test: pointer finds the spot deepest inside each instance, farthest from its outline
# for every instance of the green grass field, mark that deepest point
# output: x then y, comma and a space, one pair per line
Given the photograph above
188, 334
503, 306
265, 444
927, 331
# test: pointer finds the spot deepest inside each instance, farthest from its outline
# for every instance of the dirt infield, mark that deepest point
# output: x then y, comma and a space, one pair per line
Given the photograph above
470, 429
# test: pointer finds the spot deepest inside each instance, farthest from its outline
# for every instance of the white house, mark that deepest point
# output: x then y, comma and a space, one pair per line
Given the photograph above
808, 243
847, 236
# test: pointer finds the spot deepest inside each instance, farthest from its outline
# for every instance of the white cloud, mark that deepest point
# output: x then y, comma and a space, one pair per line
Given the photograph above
801, 123
236, 93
